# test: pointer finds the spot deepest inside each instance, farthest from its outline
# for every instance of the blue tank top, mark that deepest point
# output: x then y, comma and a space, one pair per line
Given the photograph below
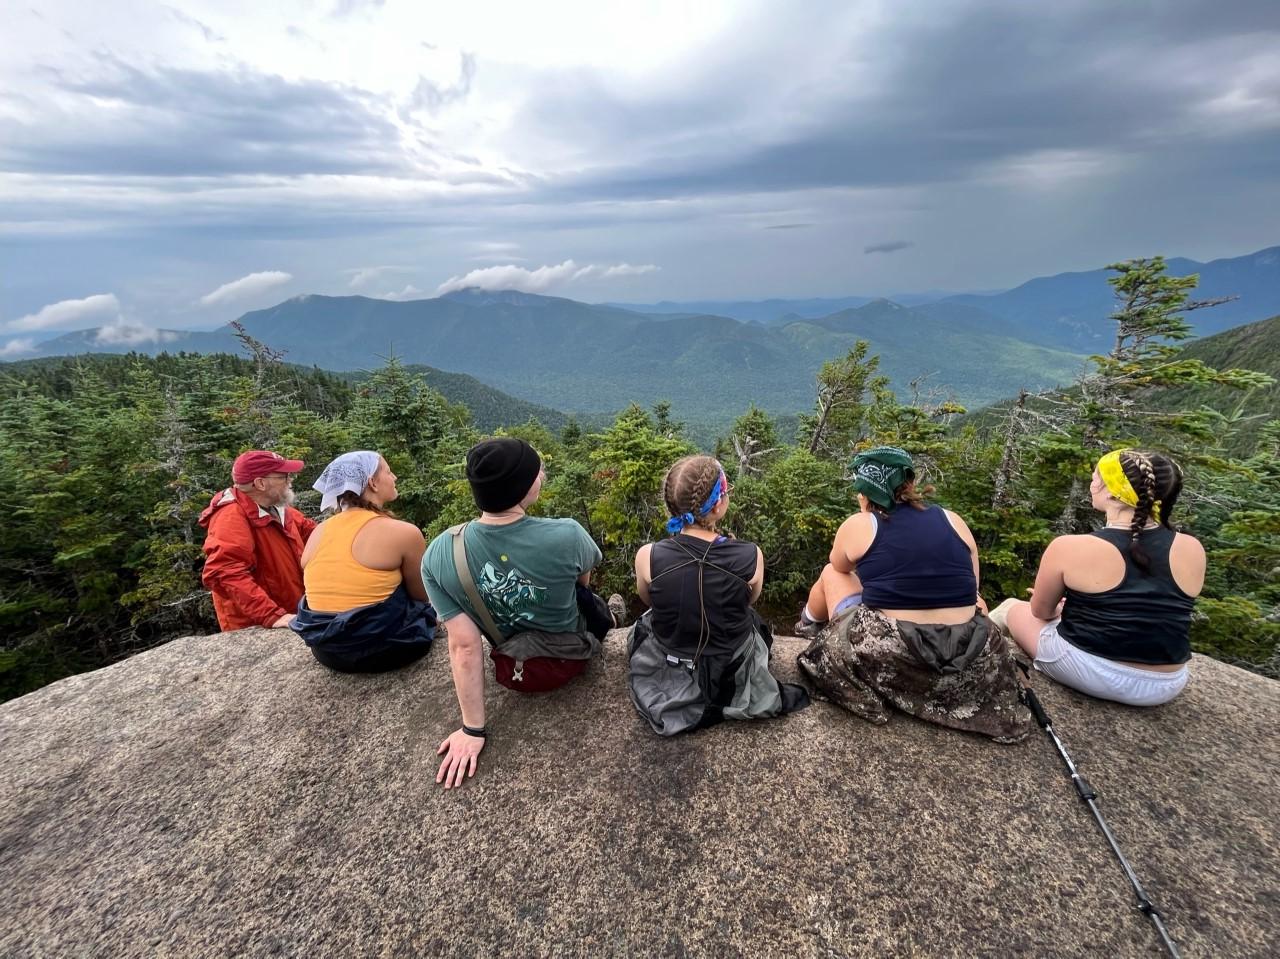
1145, 619
917, 561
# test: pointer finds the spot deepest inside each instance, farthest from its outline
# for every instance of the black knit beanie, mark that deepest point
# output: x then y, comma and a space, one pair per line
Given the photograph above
501, 472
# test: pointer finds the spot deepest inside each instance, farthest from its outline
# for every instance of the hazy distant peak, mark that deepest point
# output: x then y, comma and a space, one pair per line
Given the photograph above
476, 296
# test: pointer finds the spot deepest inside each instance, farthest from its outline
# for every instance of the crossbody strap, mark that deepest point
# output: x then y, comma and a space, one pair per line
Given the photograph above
469, 584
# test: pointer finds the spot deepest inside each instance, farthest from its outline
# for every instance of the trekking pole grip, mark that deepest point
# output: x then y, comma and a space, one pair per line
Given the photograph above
1033, 704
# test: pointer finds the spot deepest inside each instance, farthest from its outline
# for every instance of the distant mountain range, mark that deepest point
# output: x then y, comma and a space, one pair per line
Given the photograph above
590, 359
593, 359
774, 312
1069, 311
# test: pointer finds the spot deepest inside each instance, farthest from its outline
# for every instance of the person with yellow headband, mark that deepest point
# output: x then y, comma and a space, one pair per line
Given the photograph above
1110, 614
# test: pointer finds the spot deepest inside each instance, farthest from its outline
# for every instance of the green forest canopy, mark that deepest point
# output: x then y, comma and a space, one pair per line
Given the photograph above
108, 461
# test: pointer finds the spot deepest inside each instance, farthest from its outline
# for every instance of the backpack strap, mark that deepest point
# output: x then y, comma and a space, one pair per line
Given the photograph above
469, 584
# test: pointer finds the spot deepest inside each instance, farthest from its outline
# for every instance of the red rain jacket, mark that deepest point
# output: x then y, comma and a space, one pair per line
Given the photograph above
252, 563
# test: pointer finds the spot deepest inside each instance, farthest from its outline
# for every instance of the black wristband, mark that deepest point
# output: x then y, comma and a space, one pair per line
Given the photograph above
479, 732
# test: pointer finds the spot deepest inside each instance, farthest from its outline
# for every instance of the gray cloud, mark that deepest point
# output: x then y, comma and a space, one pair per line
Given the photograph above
1027, 137
431, 97
957, 94
892, 246
176, 122
207, 31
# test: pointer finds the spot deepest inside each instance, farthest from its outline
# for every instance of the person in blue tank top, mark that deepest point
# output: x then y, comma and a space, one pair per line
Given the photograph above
1110, 613
899, 554
906, 626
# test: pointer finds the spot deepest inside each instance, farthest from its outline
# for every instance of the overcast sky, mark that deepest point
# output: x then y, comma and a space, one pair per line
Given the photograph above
178, 164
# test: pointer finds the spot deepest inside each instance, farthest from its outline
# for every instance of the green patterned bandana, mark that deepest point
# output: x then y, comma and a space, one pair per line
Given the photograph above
877, 473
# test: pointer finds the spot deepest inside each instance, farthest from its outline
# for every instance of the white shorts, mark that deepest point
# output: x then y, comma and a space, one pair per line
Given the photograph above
1104, 678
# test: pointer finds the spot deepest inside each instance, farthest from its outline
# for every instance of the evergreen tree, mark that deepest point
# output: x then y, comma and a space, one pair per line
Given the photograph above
839, 418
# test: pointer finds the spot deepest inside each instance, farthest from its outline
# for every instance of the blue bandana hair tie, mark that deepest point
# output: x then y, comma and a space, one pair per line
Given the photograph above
677, 523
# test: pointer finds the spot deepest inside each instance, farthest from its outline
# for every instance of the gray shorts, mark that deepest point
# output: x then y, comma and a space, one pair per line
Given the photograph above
1104, 678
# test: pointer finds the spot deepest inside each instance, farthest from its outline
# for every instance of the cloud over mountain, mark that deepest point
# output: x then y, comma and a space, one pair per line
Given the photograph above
245, 287
541, 280
68, 314
18, 347
124, 333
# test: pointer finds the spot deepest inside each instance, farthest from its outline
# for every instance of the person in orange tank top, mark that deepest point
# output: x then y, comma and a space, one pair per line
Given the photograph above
365, 608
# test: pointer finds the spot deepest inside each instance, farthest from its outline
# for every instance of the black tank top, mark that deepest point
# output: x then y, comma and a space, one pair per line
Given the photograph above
727, 568
1145, 619
917, 561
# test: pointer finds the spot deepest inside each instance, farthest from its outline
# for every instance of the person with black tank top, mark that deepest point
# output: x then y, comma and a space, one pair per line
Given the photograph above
896, 619
1110, 614
701, 646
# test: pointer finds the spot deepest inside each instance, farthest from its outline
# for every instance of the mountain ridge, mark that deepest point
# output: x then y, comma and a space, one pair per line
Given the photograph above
586, 359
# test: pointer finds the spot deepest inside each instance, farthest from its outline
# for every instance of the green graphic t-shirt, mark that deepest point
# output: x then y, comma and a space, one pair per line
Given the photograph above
525, 572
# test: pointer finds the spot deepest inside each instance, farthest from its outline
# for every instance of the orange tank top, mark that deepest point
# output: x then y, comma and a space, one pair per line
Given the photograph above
335, 580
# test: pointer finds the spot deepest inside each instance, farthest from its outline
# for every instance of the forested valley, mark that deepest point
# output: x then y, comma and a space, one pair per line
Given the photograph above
106, 463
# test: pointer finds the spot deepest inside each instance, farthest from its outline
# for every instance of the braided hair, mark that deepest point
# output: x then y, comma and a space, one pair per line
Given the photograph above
688, 484
1158, 482
350, 500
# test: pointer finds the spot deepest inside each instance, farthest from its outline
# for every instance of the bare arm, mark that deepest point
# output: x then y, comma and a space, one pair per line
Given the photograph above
757, 581
853, 539
963, 531
642, 572
1051, 583
461, 750
413, 546
313, 544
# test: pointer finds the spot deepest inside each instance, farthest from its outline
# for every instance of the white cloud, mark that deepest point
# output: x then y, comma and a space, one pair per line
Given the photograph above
410, 292
622, 269
124, 333
511, 277
247, 286
66, 314
18, 347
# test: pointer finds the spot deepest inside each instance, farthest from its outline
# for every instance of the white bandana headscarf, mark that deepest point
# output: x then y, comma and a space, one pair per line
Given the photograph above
349, 473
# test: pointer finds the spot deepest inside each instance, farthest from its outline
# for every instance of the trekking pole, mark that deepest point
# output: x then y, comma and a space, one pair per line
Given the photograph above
1086, 793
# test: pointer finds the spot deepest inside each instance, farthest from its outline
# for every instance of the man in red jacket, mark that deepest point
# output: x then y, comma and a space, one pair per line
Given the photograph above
254, 543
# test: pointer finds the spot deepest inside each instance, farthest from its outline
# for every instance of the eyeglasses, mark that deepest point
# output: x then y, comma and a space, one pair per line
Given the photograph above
287, 477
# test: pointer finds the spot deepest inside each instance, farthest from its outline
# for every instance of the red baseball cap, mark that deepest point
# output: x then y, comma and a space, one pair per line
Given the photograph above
254, 463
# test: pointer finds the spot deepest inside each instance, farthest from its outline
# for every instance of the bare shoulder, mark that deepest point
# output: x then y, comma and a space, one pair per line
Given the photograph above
643, 553
1082, 546
856, 524
1188, 545
398, 529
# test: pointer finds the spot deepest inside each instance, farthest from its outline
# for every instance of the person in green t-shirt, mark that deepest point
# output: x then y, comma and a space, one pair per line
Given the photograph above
531, 573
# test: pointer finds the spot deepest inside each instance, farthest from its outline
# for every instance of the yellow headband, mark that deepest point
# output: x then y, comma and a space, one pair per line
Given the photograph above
1117, 483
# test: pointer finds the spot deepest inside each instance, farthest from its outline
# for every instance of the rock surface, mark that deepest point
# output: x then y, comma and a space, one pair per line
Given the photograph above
227, 796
